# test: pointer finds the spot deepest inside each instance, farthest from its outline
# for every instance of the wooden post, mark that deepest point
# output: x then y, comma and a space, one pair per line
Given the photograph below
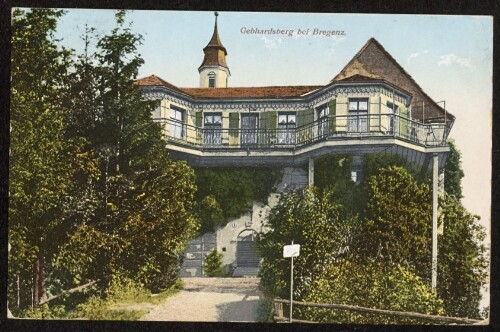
278, 310
291, 283
435, 180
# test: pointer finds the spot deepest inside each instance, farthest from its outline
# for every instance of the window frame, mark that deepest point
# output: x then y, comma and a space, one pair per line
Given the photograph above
358, 119
178, 127
212, 131
212, 79
286, 131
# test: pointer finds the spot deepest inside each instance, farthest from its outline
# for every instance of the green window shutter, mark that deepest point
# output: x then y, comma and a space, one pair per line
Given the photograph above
309, 116
304, 117
263, 117
234, 126
332, 106
273, 120
234, 120
199, 119
404, 122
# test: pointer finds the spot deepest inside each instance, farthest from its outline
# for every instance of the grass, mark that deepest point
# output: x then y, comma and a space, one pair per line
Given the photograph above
120, 296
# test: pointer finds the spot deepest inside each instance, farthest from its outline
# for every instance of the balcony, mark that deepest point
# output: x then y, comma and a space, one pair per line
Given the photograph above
340, 127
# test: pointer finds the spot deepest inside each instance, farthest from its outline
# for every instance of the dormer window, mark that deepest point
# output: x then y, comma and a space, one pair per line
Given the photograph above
211, 79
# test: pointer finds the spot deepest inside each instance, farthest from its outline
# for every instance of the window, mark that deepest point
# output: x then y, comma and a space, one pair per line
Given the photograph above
358, 114
211, 79
286, 128
178, 123
322, 112
357, 173
249, 129
212, 132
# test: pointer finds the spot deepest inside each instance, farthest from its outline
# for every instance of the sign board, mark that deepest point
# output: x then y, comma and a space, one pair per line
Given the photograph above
292, 250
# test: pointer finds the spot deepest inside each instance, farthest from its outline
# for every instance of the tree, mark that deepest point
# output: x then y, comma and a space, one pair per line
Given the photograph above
333, 173
43, 159
144, 213
324, 230
453, 172
398, 227
463, 264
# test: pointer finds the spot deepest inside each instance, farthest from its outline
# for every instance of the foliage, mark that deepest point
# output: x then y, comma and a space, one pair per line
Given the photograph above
453, 172
143, 211
213, 265
98, 309
463, 265
265, 310
397, 227
94, 196
225, 193
210, 214
378, 285
323, 229
373, 162
43, 159
333, 173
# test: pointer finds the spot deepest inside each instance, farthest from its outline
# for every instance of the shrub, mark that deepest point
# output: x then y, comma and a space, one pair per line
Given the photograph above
214, 266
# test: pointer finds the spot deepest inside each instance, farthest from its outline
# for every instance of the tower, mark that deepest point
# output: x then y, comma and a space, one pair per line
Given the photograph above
214, 72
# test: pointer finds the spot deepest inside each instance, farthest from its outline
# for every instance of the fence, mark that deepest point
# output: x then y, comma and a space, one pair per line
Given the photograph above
278, 313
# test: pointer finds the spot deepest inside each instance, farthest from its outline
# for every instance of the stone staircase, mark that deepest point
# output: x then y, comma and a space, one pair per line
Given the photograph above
248, 260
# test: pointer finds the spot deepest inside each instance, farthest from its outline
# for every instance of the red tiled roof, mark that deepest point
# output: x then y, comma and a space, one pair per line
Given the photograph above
251, 92
154, 80
233, 93
374, 59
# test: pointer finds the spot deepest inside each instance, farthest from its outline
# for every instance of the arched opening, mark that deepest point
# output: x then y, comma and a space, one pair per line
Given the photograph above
246, 253
211, 79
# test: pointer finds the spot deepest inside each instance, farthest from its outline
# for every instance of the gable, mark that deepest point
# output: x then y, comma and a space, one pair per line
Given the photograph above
373, 60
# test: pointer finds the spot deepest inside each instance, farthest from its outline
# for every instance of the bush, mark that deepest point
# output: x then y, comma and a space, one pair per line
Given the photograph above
125, 290
214, 266
98, 309
376, 285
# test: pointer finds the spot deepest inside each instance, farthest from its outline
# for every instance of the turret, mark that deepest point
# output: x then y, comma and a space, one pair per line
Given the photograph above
214, 71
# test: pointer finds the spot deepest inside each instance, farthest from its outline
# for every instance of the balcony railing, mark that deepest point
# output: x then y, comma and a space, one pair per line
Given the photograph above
328, 128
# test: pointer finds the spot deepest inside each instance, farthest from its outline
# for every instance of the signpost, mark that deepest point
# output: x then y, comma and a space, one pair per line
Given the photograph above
292, 251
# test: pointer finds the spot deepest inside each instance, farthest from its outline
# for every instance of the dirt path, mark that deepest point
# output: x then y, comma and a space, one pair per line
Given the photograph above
210, 300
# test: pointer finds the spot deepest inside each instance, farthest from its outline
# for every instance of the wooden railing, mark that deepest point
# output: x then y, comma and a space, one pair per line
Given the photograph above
279, 317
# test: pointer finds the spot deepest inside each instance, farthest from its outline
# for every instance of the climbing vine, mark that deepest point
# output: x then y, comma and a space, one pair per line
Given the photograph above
225, 193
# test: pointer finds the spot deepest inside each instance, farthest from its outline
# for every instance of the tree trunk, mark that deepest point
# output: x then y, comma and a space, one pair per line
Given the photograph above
39, 289
36, 282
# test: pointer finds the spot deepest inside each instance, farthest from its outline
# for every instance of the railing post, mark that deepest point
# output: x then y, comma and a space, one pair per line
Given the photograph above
278, 310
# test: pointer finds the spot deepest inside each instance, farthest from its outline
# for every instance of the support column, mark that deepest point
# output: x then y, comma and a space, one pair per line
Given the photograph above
311, 172
435, 183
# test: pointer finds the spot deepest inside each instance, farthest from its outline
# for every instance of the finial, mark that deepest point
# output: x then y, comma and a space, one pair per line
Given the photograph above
216, 14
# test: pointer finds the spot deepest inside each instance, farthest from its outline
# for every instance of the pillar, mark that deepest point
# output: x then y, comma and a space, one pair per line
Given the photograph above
311, 172
435, 187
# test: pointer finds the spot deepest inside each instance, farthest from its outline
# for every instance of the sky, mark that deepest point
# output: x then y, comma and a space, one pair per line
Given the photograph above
450, 57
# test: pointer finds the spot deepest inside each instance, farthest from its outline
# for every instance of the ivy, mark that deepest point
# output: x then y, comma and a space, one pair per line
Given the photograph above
225, 193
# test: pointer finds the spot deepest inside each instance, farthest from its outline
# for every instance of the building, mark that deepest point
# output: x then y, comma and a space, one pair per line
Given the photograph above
373, 105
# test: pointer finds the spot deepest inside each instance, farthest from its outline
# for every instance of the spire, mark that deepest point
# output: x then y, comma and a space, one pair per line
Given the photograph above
215, 41
212, 49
